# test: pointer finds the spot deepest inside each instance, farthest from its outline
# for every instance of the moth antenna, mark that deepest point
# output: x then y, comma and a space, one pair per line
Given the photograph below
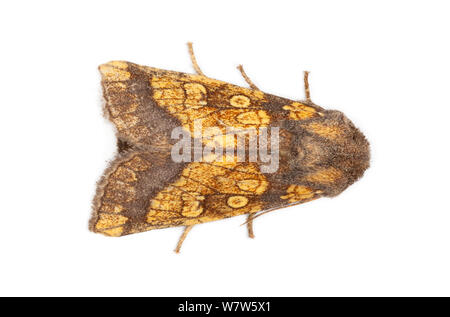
194, 60
250, 226
250, 220
249, 82
182, 238
305, 79
267, 211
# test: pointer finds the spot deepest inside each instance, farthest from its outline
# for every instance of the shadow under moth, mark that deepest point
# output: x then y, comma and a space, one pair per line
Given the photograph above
244, 152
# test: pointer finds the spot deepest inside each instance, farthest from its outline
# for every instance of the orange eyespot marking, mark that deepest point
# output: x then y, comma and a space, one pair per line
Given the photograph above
299, 111
240, 101
325, 176
296, 193
257, 186
195, 89
237, 201
326, 131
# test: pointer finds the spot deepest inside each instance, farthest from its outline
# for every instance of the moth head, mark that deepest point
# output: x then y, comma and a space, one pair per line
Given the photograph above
330, 153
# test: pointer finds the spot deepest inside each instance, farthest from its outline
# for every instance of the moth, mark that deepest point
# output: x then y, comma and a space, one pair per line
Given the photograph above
318, 152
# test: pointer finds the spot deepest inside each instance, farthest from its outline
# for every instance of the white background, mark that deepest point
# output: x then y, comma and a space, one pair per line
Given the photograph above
386, 64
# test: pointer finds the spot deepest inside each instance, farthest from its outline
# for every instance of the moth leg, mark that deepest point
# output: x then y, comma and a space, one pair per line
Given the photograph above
183, 236
305, 79
250, 226
249, 82
194, 60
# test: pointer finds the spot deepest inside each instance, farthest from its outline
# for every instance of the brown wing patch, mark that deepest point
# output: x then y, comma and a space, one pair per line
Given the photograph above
130, 106
237, 201
119, 188
121, 103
